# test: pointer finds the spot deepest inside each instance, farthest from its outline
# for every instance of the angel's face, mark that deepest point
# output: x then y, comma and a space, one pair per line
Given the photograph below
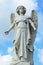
21, 11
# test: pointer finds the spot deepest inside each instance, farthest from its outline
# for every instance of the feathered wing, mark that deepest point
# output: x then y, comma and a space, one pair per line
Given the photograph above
12, 17
30, 48
34, 19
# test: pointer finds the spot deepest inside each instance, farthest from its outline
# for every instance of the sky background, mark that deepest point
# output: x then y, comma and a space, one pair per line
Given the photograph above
6, 42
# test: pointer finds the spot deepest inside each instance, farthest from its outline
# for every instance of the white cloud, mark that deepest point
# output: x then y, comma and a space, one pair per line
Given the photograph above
5, 60
10, 50
2, 1
40, 55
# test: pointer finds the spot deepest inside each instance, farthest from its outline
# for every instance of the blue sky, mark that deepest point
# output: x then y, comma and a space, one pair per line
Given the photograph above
6, 42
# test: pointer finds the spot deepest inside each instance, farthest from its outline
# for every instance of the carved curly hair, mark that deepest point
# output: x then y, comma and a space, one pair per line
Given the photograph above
21, 7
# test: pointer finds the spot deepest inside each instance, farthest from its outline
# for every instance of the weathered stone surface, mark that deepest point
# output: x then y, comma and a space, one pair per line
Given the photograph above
20, 63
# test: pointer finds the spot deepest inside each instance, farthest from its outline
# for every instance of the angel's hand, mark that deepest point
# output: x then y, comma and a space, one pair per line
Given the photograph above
7, 32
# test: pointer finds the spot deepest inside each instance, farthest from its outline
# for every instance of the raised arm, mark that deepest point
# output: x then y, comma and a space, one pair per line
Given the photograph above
32, 24
10, 28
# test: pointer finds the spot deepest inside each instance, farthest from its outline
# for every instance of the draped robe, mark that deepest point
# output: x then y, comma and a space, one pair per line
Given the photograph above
22, 35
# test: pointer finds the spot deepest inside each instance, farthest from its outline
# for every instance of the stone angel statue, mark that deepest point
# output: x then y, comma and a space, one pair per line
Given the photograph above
25, 33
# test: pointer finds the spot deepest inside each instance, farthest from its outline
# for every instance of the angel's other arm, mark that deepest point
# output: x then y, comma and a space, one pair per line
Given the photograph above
11, 27
32, 24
